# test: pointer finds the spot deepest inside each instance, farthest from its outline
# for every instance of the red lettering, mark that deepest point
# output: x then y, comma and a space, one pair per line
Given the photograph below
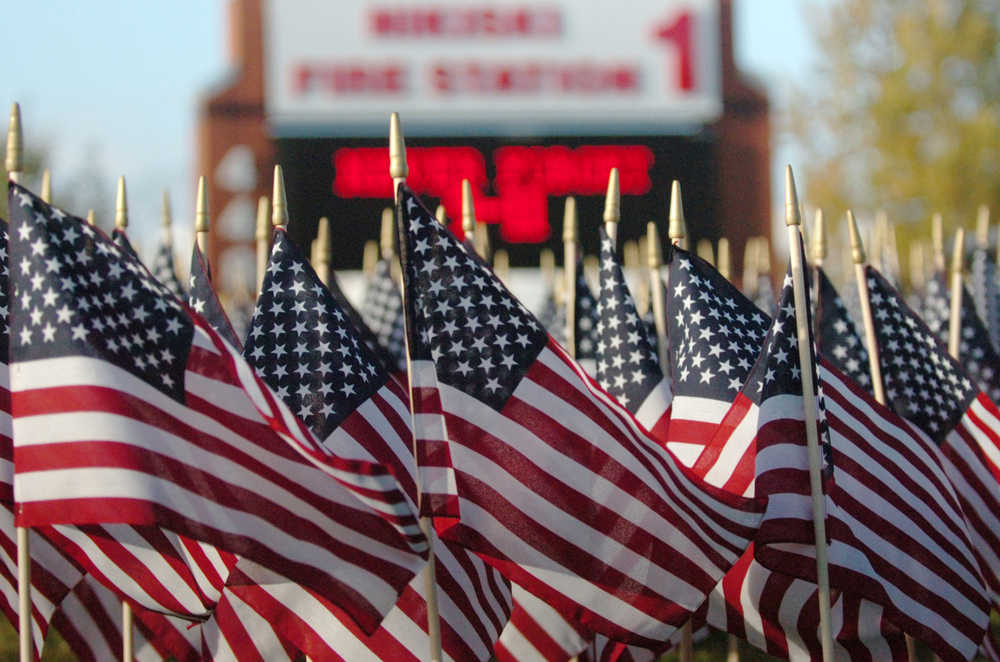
462, 22
348, 78
679, 33
571, 77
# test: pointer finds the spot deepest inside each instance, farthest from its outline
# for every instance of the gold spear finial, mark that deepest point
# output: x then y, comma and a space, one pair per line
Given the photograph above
121, 206
958, 253
763, 256
819, 238
388, 242
983, 227
441, 215
792, 214
262, 231
857, 248
201, 207
655, 251
369, 258
323, 251
468, 211
725, 260
677, 229
398, 169
15, 144
613, 199
91, 218
279, 203
937, 240
569, 220
166, 218
547, 264
47, 186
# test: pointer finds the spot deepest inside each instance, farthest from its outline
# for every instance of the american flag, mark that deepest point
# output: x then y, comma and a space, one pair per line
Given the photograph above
627, 364
986, 292
715, 335
128, 409
237, 632
308, 352
538, 631
203, 300
162, 266
586, 320
386, 359
896, 533
839, 342
976, 354
526, 461
930, 389
383, 312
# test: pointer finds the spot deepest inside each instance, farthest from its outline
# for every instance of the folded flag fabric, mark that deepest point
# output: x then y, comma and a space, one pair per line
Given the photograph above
526, 461
838, 338
383, 312
150, 418
204, 301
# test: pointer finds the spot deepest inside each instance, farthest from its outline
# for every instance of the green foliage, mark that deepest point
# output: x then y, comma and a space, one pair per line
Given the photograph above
904, 111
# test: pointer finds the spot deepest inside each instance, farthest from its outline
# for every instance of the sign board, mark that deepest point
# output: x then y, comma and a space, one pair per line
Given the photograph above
495, 68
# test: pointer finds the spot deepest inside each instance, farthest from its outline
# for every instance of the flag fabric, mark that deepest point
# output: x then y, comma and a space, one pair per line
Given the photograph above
526, 461
986, 292
383, 312
204, 301
930, 389
89, 620
150, 419
896, 533
300, 337
763, 296
538, 631
838, 338
162, 266
627, 364
237, 632
386, 358
715, 335
585, 323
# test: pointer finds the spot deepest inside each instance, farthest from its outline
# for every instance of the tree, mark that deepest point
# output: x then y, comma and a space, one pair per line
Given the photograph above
904, 111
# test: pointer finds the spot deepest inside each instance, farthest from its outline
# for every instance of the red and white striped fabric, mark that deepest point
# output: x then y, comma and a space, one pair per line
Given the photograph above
537, 631
473, 602
197, 445
237, 633
90, 620
529, 463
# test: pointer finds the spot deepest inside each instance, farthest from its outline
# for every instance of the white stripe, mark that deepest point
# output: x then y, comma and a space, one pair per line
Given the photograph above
656, 403
702, 410
742, 438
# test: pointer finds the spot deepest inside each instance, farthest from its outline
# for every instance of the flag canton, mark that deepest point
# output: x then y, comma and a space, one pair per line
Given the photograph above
627, 366
4, 305
203, 300
163, 269
838, 339
585, 324
922, 383
383, 312
481, 339
935, 306
715, 333
76, 293
304, 346
976, 352
778, 371
986, 288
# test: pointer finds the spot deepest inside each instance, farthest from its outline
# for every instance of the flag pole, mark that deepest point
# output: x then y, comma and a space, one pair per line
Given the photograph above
613, 207
47, 186
323, 255
705, 251
14, 164
955, 321
501, 265
656, 298
937, 241
166, 226
725, 267
793, 220
369, 258
121, 224
398, 170
860, 260
677, 233
91, 218
262, 238
570, 248
201, 218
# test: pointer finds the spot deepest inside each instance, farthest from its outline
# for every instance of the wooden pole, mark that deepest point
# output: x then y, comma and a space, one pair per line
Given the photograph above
398, 170
793, 220
955, 321
725, 265
937, 241
570, 248
369, 258
262, 238
201, 223
14, 164
983, 227
677, 232
501, 265
749, 283
656, 294
47, 186
705, 251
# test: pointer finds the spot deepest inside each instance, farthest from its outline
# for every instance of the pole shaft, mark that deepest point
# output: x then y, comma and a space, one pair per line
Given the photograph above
24, 595
127, 621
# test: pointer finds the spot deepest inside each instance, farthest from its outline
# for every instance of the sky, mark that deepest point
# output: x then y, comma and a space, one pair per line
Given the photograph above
110, 88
